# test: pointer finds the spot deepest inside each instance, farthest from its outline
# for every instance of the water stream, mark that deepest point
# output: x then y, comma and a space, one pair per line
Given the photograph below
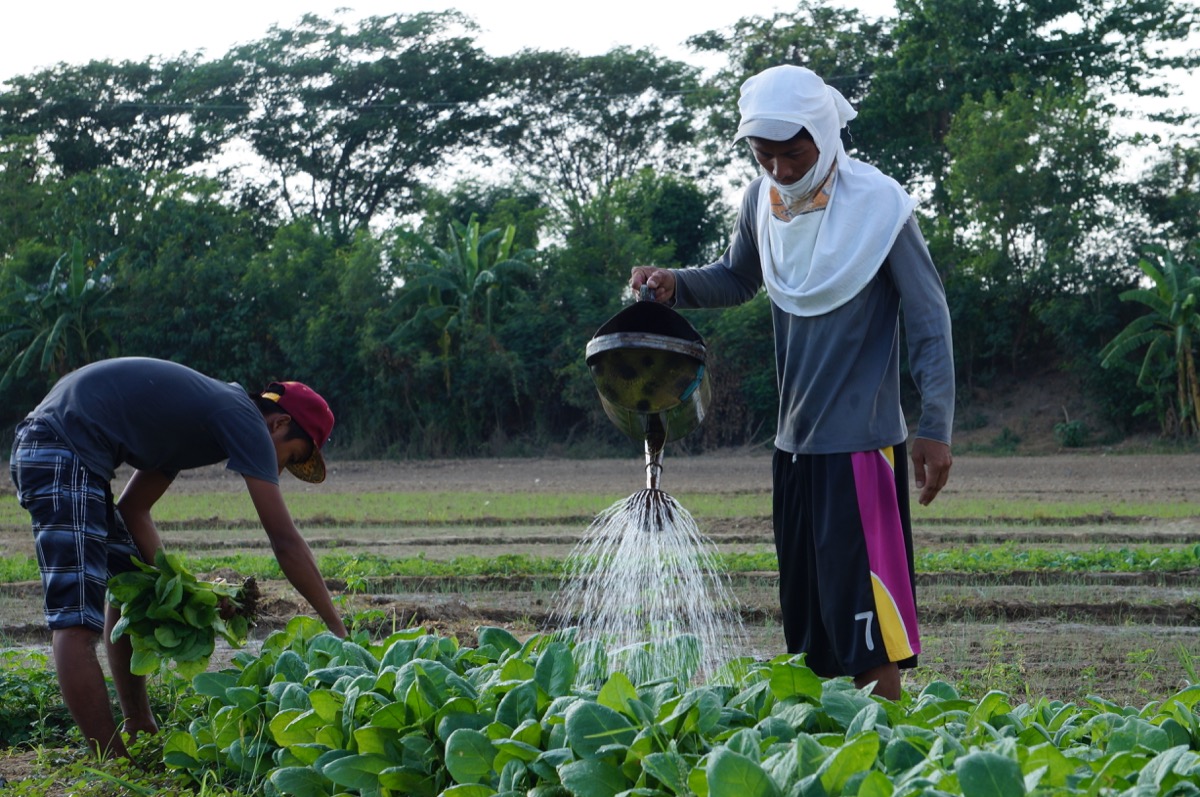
646, 595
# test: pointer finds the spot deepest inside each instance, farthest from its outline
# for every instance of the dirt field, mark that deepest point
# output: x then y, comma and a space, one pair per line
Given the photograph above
1117, 476
1129, 637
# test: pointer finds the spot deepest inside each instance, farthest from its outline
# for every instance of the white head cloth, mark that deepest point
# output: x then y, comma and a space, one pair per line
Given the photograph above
818, 265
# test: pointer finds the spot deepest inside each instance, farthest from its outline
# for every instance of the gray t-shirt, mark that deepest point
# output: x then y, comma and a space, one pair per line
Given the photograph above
839, 373
157, 415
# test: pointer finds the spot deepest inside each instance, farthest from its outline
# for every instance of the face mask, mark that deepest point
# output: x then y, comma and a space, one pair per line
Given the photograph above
803, 188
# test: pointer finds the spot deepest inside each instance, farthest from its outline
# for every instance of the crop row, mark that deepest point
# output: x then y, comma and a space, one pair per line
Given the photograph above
983, 559
312, 715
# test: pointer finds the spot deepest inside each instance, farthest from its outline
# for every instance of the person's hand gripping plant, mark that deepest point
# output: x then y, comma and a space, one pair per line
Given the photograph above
171, 616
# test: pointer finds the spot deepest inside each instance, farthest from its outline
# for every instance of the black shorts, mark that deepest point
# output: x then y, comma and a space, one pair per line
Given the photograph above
844, 542
79, 536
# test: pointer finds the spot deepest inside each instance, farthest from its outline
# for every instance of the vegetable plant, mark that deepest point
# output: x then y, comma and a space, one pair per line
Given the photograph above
171, 617
417, 714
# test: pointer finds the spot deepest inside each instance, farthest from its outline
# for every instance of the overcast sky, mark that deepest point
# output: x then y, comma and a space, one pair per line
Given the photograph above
41, 33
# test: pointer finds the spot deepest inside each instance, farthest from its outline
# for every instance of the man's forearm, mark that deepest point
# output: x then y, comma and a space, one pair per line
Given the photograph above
300, 568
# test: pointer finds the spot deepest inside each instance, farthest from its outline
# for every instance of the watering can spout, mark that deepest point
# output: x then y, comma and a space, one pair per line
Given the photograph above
655, 441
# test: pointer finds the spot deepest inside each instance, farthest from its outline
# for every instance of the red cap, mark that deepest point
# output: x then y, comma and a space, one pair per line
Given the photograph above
312, 413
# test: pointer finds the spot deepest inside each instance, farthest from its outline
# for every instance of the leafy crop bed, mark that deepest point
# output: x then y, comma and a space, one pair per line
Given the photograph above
417, 714
1056, 591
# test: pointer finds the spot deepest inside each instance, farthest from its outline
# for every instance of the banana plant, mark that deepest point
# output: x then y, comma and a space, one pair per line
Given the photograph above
58, 326
459, 289
1169, 333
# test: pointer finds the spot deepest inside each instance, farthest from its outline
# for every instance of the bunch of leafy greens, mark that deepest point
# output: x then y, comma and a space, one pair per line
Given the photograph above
171, 616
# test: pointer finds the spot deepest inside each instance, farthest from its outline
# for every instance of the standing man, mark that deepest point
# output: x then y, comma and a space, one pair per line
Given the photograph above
837, 247
160, 417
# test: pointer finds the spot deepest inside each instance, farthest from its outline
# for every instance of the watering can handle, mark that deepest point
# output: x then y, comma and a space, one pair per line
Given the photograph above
645, 293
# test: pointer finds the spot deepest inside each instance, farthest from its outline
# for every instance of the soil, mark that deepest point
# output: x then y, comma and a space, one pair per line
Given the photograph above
1100, 473
1123, 636
1129, 638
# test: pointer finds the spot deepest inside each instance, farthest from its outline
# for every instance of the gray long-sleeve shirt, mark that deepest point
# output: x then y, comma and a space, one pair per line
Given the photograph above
839, 373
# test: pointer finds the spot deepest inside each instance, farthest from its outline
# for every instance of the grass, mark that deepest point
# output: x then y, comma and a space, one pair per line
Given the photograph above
950, 506
397, 508
357, 566
424, 508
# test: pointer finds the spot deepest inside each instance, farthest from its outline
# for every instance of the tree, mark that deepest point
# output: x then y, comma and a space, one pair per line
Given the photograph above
54, 328
576, 125
493, 204
1170, 193
679, 220
144, 116
22, 191
180, 274
948, 51
459, 289
1029, 185
454, 380
348, 121
1168, 335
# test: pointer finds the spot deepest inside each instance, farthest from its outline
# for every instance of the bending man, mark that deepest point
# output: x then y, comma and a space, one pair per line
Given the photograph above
161, 418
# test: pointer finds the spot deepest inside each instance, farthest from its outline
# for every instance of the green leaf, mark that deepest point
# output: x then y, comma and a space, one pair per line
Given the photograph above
791, 678
669, 769
407, 781
181, 751
187, 670
1177, 761
591, 726
1134, 733
357, 771
515, 669
290, 667
810, 754
842, 702
469, 756
144, 662
938, 690
301, 782
1058, 767
468, 790
593, 778
555, 672
169, 591
618, 693
214, 684
732, 774
853, 757
450, 723
295, 726
498, 638
124, 587
901, 755
876, 784
118, 628
987, 774
326, 704
514, 749
520, 704
166, 636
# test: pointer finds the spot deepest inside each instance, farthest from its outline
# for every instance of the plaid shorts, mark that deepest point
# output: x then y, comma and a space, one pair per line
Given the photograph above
78, 534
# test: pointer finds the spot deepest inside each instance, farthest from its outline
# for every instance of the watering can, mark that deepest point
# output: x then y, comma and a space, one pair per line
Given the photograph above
648, 365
